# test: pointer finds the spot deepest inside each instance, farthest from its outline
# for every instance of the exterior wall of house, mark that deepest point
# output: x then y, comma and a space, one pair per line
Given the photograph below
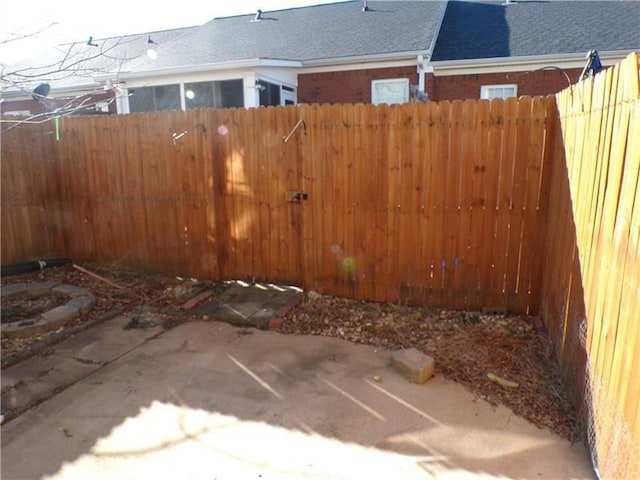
34, 107
21, 105
460, 87
279, 76
347, 86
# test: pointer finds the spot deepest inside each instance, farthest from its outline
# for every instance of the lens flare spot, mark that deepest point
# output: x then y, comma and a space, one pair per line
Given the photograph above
223, 130
335, 249
349, 264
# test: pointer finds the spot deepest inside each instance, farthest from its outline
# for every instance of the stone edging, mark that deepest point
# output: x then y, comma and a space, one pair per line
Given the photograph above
80, 302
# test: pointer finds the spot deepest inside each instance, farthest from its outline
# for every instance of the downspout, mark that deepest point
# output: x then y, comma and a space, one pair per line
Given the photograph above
421, 71
122, 100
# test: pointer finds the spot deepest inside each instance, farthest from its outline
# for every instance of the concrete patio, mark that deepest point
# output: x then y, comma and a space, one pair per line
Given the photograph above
207, 400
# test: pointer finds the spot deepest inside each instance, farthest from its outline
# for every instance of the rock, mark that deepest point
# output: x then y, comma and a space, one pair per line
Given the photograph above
313, 295
414, 365
140, 321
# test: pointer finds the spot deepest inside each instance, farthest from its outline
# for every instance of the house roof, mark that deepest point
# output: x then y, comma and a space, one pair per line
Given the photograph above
75, 64
490, 29
306, 34
344, 33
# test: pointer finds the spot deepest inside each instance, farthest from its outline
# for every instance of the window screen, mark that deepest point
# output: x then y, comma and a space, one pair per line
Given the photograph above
269, 94
152, 99
218, 94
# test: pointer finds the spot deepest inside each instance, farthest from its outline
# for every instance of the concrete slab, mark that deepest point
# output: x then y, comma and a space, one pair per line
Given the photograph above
207, 400
249, 304
38, 378
28, 383
106, 341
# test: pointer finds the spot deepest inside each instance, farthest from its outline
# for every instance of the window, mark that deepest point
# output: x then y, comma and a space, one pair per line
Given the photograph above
102, 107
153, 99
489, 92
218, 94
17, 113
269, 93
394, 90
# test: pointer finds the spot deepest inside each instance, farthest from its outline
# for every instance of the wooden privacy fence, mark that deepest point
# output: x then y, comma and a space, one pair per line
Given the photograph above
591, 291
438, 204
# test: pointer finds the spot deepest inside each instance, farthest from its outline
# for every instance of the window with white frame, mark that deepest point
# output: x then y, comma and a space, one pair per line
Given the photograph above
212, 94
216, 94
393, 90
489, 92
153, 99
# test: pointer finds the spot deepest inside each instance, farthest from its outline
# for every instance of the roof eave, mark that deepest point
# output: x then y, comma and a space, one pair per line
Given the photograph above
216, 66
412, 54
525, 60
79, 87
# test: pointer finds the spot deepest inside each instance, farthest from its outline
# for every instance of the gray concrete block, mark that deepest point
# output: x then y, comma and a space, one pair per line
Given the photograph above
41, 288
14, 289
261, 318
414, 365
58, 316
24, 328
83, 303
71, 290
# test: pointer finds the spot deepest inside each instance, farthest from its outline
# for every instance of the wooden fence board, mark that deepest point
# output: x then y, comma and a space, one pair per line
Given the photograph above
517, 198
530, 207
600, 131
437, 206
493, 155
463, 262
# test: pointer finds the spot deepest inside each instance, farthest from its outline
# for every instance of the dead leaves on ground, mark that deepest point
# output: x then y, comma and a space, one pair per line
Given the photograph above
465, 345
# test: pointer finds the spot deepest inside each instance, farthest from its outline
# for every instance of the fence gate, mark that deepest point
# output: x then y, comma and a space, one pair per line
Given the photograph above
257, 193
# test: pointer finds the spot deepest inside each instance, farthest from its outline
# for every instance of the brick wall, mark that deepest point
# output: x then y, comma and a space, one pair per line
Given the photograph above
459, 87
35, 107
353, 86
30, 105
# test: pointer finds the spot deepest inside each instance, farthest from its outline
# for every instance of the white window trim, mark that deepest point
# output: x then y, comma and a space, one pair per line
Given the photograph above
400, 84
485, 89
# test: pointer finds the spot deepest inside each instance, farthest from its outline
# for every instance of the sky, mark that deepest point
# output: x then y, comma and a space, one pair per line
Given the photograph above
44, 23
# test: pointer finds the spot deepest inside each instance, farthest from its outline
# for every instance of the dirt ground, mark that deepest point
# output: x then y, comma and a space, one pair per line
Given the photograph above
468, 347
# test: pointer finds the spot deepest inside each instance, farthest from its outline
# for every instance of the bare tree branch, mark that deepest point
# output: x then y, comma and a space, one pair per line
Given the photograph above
14, 36
73, 62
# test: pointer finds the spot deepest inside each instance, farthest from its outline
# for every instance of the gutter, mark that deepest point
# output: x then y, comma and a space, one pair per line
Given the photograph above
249, 63
364, 58
525, 61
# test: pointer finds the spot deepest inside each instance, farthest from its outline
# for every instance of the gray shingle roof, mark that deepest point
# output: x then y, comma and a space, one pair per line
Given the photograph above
303, 34
489, 29
75, 64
